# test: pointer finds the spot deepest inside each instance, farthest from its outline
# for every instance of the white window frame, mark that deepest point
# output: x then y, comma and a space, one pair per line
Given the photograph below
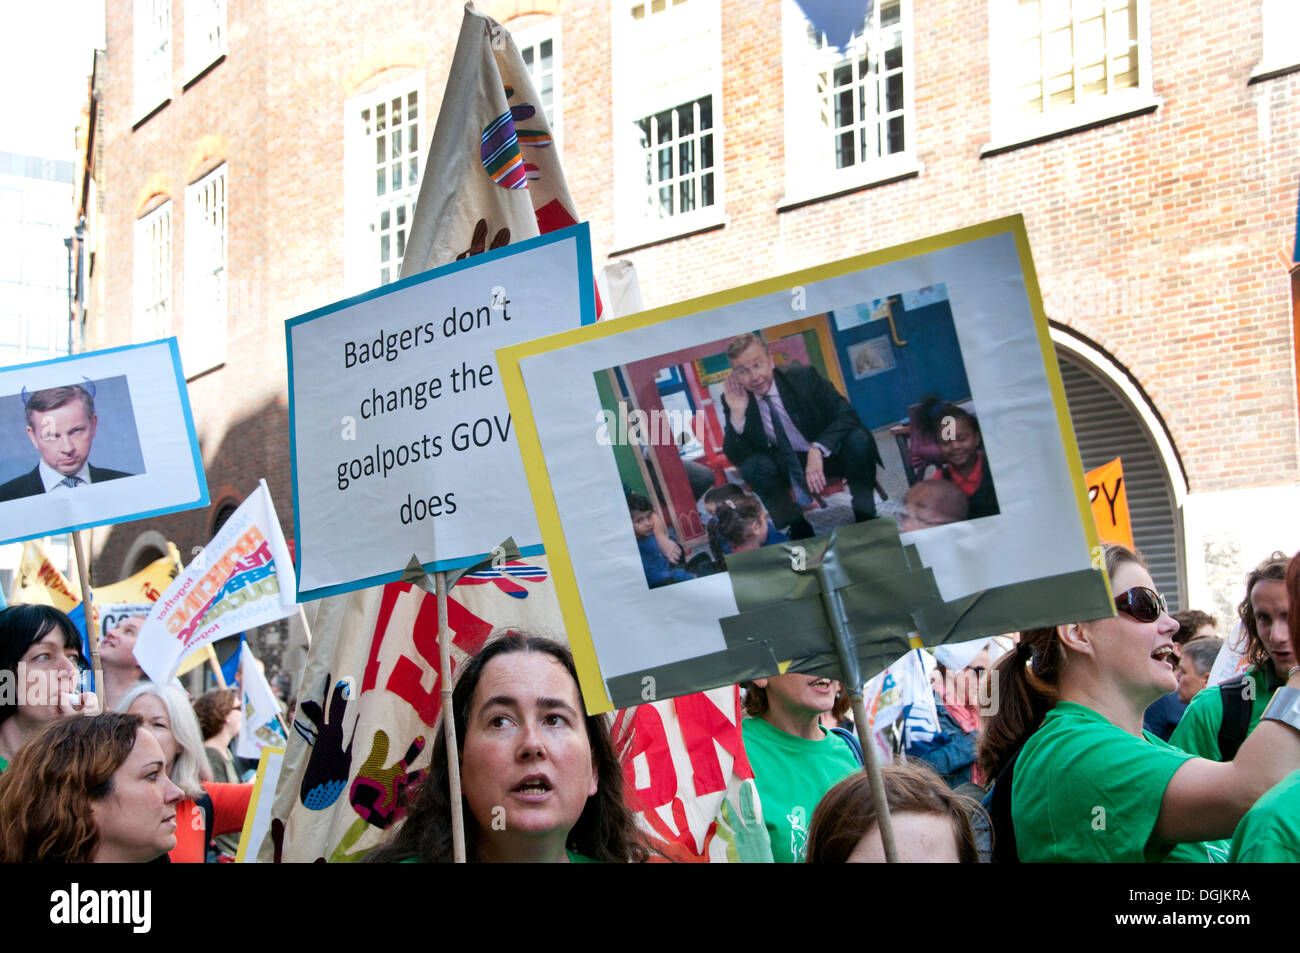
534, 36
362, 207
153, 275
810, 141
1281, 43
662, 61
153, 55
203, 344
1011, 126
205, 35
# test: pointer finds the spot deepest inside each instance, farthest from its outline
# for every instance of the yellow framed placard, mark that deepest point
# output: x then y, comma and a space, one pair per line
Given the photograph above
931, 359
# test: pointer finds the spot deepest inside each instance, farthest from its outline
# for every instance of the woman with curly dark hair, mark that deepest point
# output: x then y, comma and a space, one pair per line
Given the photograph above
539, 778
87, 790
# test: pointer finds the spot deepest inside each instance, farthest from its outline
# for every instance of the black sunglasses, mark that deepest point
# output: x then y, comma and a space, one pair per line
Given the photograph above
1143, 604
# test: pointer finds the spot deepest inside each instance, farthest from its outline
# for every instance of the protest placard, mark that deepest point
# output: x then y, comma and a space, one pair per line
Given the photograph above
853, 349
402, 440
96, 438
1109, 498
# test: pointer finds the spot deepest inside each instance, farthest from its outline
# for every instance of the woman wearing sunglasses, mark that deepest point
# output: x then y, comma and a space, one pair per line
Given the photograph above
1087, 784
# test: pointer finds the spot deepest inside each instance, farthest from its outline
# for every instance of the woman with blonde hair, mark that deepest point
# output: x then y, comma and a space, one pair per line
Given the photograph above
209, 809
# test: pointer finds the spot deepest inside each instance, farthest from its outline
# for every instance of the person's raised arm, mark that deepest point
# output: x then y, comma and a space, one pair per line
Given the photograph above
1206, 799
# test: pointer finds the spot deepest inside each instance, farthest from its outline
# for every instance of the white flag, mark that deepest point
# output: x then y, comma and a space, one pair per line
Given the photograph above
261, 726
243, 578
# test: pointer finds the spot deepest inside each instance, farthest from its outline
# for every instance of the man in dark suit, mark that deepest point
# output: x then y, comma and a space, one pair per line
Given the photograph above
61, 425
790, 428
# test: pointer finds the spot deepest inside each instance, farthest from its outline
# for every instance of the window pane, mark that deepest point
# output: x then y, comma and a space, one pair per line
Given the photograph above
706, 189
894, 58
844, 150
413, 137
706, 112
384, 220
380, 123
894, 92
383, 247
843, 109
890, 13
665, 164
412, 106
526, 54
896, 143
401, 215
685, 158
665, 202
380, 147
381, 181
686, 119
664, 125
706, 152
687, 190
546, 51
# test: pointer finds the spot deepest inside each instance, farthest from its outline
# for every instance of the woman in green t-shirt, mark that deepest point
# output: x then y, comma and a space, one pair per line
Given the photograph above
539, 778
1088, 784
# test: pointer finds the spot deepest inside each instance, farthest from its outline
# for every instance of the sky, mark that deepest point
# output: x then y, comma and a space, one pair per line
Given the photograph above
46, 56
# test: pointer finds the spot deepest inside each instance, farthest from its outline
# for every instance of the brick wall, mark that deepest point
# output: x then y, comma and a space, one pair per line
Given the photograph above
1163, 237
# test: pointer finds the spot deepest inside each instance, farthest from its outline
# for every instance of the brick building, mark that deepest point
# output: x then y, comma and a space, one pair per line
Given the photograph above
256, 161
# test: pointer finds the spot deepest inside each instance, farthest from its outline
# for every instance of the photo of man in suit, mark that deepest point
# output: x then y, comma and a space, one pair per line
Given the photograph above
61, 425
790, 428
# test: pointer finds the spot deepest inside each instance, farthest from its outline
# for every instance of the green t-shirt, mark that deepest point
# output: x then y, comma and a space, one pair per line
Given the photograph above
1270, 831
792, 774
1086, 790
3, 764
1198, 730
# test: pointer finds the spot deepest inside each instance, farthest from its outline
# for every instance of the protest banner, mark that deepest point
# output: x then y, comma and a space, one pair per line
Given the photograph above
854, 345
396, 414
40, 582
101, 437
683, 761
383, 644
261, 726
1109, 499
242, 578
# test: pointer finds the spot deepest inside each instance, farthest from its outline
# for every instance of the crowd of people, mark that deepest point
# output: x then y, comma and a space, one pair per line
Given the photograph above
1052, 763
133, 784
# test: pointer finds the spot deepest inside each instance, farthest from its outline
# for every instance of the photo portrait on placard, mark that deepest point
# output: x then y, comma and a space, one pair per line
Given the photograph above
791, 431
61, 438
96, 438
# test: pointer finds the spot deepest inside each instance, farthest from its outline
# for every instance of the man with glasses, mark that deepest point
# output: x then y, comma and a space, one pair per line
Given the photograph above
1216, 723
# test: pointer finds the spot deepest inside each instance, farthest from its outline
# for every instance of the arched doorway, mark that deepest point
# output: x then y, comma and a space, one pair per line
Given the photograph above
1113, 418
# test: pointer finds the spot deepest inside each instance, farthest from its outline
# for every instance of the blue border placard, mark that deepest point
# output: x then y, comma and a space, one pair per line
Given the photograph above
184, 396
580, 234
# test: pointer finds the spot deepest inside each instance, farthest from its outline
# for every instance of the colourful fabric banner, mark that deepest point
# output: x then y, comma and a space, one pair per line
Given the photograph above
242, 578
369, 697
683, 762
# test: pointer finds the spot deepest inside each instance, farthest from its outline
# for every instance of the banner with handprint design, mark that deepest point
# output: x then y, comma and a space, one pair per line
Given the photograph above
368, 706
688, 778
368, 700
